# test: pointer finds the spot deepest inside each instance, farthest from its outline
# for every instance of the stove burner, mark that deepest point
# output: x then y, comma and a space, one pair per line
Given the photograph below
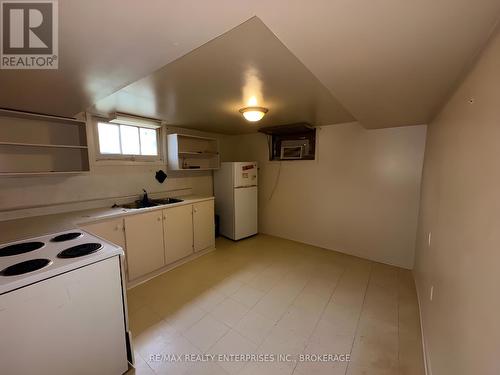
25, 267
66, 237
80, 250
20, 248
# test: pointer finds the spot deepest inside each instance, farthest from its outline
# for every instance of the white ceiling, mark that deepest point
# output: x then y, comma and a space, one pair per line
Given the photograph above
206, 88
388, 62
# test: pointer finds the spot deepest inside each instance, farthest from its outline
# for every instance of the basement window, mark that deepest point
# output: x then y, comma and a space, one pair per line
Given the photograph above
119, 141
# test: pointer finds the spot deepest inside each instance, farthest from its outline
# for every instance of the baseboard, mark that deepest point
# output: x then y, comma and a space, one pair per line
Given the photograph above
169, 267
427, 364
341, 251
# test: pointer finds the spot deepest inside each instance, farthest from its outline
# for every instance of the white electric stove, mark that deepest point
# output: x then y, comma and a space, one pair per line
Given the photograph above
63, 306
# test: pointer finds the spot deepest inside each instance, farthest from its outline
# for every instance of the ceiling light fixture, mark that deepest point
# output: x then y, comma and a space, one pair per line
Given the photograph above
253, 114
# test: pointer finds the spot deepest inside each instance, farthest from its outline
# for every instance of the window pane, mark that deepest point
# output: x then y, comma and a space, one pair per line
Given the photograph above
109, 138
149, 145
130, 140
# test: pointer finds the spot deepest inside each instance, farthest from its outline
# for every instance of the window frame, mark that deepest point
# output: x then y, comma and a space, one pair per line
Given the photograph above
101, 157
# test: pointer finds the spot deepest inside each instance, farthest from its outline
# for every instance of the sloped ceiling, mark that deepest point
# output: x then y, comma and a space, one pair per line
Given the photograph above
388, 62
245, 66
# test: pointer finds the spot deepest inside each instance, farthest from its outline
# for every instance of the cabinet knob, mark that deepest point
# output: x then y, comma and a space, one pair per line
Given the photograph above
117, 227
159, 218
195, 210
165, 217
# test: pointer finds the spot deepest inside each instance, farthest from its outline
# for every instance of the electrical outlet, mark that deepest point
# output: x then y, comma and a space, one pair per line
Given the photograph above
429, 236
432, 293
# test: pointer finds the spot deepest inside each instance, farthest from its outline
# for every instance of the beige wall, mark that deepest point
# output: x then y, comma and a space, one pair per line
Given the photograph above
104, 181
461, 207
360, 196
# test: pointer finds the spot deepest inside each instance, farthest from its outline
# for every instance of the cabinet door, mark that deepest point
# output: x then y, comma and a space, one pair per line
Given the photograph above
203, 225
178, 232
110, 230
145, 251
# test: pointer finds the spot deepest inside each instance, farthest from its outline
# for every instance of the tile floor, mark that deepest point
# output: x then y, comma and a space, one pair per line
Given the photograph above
268, 296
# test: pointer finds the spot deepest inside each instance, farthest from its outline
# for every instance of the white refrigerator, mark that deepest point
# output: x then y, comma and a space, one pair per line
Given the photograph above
235, 186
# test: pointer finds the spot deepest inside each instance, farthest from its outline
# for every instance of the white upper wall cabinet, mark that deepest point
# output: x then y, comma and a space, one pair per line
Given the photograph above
189, 152
38, 144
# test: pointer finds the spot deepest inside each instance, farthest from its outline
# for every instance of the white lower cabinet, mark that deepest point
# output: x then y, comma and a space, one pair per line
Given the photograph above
178, 232
154, 239
203, 225
145, 249
111, 230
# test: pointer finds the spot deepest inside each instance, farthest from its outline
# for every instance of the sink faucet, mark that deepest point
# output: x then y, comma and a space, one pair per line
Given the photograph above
145, 198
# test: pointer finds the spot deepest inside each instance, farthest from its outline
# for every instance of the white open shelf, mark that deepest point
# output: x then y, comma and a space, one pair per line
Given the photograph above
193, 153
28, 174
39, 145
32, 144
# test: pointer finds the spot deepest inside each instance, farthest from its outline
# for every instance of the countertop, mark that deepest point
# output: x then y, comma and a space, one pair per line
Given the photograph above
19, 229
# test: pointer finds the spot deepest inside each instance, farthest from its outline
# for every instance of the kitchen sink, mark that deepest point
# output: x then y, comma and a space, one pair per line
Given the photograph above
151, 203
137, 204
166, 201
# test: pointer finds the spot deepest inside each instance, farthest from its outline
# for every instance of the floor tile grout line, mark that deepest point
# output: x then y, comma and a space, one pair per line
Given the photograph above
293, 273
213, 316
230, 327
146, 362
322, 313
250, 307
219, 339
243, 317
282, 315
192, 324
210, 312
274, 325
361, 312
187, 329
279, 319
